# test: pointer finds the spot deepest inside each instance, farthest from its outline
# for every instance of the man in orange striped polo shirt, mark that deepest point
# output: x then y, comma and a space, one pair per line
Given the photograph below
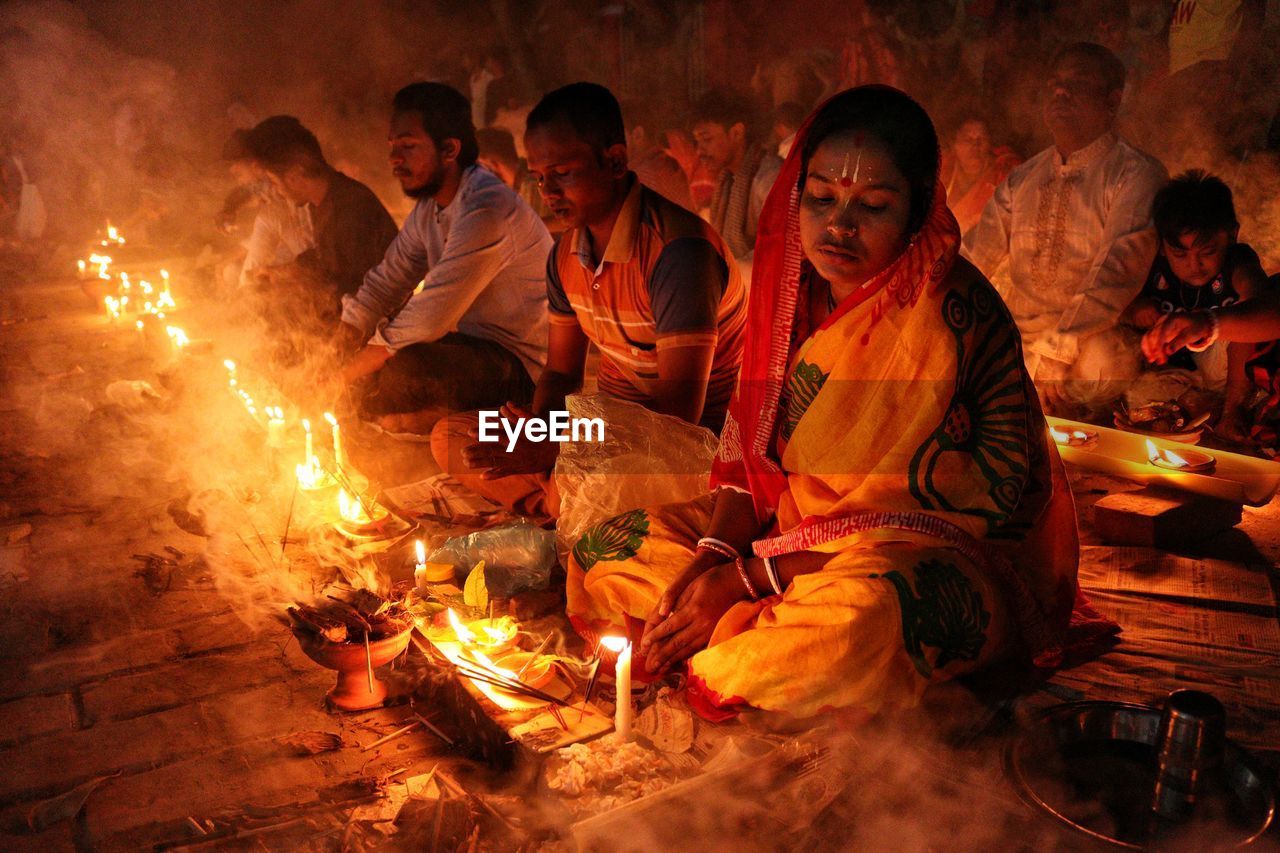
649, 283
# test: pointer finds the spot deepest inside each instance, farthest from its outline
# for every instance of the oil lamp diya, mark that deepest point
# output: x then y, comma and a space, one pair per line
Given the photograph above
1187, 461
487, 635
1074, 438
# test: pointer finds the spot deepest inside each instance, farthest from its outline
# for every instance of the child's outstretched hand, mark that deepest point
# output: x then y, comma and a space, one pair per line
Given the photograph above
1173, 332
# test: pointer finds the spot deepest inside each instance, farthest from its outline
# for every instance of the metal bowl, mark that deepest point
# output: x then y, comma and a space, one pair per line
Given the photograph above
1092, 767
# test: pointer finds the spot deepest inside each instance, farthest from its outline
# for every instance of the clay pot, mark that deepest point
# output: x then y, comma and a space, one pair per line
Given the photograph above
352, 692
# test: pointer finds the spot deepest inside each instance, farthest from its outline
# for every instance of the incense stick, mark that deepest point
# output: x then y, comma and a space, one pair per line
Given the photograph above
507, 684
591, 685
245, 543
368, 660
433, 729
380, 741
533, 657
288, 521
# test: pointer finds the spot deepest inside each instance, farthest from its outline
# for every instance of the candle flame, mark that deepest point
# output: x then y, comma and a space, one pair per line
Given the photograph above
1168, 457
421, 552
1059, 436
229, 365
310, 475
328, 416
352, 509
177, 336
306, 425
617, 645
463, 633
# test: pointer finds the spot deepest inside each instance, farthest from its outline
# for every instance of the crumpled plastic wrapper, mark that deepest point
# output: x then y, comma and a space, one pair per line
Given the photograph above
517, 557
132, 393
646, 459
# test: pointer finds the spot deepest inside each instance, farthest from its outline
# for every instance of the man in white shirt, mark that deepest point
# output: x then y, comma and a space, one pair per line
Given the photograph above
1068, 239
475, 332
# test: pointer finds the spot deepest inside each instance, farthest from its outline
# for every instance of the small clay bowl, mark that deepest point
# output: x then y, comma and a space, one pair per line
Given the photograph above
539, 675
352, 692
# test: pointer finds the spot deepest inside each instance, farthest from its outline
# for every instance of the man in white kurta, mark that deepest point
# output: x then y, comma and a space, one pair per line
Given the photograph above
1068, 237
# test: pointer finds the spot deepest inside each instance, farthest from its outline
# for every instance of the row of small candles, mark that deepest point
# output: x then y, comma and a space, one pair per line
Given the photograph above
310, 473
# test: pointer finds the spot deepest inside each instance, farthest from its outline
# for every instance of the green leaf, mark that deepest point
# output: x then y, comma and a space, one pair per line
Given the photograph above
475, 593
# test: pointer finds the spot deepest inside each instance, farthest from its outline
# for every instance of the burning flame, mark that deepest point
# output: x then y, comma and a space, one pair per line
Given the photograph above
617, 645
1168, 457
421, 551
352, 509
462, 632
328, 416
310, 475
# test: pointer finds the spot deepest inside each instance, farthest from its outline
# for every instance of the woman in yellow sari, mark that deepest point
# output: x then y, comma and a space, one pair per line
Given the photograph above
886, 508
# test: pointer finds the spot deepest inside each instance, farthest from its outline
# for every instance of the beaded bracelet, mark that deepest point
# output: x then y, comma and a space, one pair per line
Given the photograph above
771, 571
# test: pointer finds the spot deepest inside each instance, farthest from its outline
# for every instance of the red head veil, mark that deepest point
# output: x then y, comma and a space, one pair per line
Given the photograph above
746, 458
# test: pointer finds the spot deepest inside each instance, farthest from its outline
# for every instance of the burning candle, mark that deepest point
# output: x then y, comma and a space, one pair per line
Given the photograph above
275, 427
338, 459
306, 426
177, 339
623, 710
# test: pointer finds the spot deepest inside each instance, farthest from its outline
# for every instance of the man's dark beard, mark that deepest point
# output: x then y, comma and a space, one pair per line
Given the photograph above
428, 188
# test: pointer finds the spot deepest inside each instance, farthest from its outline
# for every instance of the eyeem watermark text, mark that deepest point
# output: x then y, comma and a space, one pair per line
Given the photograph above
557, 426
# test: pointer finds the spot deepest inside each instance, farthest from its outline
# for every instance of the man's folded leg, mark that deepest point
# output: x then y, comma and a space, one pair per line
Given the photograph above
532, 495
423, 382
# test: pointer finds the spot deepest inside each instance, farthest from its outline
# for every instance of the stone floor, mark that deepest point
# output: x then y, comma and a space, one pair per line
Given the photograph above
174, 685
151, 679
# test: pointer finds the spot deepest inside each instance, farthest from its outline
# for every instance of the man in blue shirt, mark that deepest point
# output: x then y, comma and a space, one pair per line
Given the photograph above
474, 333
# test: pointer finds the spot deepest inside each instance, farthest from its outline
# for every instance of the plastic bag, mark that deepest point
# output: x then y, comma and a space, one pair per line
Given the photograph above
518, 557
647, 459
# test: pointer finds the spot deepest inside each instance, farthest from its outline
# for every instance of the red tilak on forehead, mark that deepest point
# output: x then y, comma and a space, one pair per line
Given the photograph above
846, 182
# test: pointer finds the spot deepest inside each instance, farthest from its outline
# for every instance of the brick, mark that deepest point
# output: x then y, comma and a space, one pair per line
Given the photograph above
1163, 519
186, 681
23, 719
51, 765
64, 668
139, 807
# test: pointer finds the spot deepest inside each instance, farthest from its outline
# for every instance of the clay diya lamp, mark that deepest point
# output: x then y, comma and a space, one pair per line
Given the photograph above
355, 690
1184, 460
535, 670
1074, 437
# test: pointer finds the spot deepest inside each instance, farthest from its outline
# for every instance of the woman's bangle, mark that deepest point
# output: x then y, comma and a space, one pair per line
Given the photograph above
717, 546
1215, 329
746, 579
771, 572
